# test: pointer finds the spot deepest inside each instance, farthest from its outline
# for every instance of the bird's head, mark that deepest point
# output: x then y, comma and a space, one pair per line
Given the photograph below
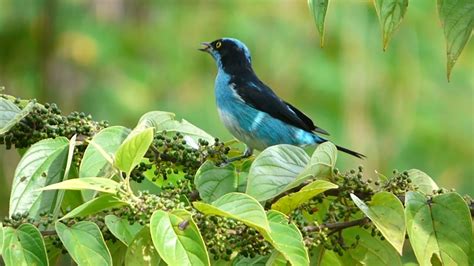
230, 54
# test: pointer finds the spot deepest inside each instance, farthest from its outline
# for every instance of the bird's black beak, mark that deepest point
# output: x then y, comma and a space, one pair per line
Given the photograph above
207, 47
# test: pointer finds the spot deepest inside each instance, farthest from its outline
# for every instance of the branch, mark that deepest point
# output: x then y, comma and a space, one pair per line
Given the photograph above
49, 233
336, 192
337, 226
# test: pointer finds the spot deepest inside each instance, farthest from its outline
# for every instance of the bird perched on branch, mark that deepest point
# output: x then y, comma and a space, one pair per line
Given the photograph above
250, 110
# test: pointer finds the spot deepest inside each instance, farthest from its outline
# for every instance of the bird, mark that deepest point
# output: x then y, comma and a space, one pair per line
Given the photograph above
251, 110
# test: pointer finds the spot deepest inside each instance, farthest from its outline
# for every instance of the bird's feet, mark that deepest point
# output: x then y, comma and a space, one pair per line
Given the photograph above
247, 153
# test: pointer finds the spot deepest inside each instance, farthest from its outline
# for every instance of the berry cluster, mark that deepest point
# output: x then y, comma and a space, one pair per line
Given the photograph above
335, 207
399, 183
46, 121
142, 206
225, 236
171, 155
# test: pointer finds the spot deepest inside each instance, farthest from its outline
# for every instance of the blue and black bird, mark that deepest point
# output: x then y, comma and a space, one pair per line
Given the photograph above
250, 110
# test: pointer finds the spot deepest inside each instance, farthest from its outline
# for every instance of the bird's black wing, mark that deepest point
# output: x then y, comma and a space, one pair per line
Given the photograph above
306, 119
262, 98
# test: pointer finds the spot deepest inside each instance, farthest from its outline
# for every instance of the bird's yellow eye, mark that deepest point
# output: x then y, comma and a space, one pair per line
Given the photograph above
218, 45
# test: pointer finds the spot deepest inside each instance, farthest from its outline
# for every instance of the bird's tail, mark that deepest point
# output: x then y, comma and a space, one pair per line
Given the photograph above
320, 140
351, 152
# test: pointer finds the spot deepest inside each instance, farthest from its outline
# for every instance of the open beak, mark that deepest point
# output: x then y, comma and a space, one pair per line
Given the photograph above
206, 47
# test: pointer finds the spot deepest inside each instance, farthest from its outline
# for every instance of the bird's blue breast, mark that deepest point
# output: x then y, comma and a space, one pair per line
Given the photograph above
255, 128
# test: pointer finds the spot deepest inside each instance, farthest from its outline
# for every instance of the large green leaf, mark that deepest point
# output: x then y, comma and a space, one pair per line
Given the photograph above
93, 163
287, 239
131, 152
95, 205
141, 251
422, 181
390, 13
369, 250
122, 229
24, 246
290, 202
457, 17
386, 211
273, 169
213, 182
85, 243
321, 164
177, 238
43, 164
238, 206
10, 114
319, 8
440, 228
93, 183
166, 121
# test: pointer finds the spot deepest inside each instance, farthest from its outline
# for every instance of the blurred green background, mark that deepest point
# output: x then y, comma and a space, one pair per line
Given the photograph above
117, 59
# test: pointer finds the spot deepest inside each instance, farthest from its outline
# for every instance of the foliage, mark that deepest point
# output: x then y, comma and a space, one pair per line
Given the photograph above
108, 58
457, 17
171, 197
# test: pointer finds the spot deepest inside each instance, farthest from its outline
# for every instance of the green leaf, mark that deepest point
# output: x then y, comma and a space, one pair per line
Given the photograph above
70, 157
276, 259
122, 229
238, 206
319, 8
213, 182
255, 261
95, 205
71, 200
439, 227
10, 114
292, 201
93, 183
131, 152
386, 211
166, 121
321, 164
85, 243
24, 246
93, 163
141, 251
457, 17
422, 181
273, 169
177, 238
43, 164
52, 250
287, 239
154, 119
369, 251
322, 257
117, 251
390, 13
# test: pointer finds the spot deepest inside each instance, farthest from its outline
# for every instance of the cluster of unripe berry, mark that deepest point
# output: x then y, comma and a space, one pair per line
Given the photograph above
170, 155
46, 121
225, 236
